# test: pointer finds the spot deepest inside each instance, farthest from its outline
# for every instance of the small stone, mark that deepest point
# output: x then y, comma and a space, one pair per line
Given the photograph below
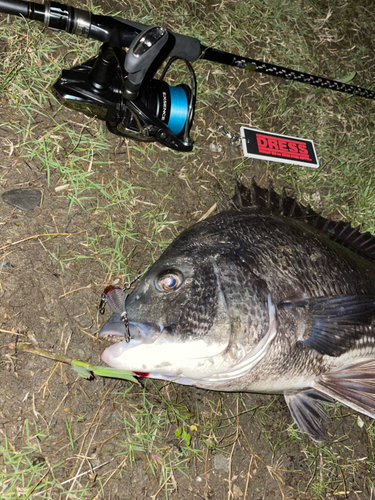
24, 199
221, 463
214, 148
236, 492
38, 460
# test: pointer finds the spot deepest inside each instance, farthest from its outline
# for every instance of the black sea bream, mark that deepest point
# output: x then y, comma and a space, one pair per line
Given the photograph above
254, 300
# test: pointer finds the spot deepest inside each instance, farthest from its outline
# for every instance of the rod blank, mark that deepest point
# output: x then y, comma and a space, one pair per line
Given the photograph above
14, 7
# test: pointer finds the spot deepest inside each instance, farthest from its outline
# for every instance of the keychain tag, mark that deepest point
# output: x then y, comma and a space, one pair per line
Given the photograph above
281, 148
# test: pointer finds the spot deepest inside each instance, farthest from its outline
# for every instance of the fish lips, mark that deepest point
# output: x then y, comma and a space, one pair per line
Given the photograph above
114, 331
140, 332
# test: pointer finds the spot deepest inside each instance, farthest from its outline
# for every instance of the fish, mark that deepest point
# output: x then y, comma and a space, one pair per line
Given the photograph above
266, 296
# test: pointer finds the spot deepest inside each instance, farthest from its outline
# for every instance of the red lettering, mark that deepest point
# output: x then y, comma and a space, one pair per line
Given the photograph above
285, 148
293, 146
262, 141
273, 143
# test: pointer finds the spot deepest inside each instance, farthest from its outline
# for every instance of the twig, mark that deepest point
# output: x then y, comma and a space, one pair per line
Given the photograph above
39, 236
83, 369
87, 472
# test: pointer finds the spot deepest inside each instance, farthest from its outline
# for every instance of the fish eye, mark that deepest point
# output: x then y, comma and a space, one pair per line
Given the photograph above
168, 281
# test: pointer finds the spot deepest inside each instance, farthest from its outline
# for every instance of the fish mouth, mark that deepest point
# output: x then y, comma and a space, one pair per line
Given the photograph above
114, 331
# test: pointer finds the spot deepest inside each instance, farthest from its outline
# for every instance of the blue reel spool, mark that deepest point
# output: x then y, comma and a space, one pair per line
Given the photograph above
179, 108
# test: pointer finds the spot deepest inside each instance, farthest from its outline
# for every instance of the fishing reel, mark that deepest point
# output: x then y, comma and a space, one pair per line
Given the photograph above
115, 86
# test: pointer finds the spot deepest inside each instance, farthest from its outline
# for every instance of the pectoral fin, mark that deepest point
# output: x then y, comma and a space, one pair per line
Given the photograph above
308, 413
332, 326
353, 385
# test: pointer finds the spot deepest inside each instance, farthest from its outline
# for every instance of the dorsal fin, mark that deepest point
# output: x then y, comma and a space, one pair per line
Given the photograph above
281, 204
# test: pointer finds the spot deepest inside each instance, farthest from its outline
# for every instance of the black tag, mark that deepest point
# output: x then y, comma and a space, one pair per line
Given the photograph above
281, 148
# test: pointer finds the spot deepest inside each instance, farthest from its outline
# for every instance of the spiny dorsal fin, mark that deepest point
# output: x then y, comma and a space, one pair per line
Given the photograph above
281, 204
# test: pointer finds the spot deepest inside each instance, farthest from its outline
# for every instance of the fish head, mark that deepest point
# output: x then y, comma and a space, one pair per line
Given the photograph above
196, 313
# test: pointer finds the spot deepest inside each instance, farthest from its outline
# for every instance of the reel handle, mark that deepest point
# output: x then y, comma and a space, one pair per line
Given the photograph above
140, 56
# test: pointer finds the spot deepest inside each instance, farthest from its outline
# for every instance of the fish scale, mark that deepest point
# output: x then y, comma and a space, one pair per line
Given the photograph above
269, 297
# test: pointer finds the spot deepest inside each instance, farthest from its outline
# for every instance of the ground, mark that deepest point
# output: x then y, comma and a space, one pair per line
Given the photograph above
110, 206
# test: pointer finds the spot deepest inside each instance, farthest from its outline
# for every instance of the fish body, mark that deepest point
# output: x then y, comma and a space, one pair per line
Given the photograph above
253, 300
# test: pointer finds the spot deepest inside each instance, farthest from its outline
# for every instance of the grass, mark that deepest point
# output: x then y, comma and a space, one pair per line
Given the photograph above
331, 470
146, 431
137, 197
24, 472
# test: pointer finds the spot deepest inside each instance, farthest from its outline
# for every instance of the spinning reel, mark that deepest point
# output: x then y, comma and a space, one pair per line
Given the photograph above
112, 86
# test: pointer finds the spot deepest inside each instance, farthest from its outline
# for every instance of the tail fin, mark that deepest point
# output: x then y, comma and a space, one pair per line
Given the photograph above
353, 385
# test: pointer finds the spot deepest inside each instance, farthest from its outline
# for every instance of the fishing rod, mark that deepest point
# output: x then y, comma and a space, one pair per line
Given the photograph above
120, 87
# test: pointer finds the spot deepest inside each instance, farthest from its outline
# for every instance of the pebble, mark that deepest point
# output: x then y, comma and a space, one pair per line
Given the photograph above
214, 148
221, 462
236, 491
24, 199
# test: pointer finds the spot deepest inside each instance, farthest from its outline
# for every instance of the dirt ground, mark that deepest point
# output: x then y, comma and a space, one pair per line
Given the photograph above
81, 422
